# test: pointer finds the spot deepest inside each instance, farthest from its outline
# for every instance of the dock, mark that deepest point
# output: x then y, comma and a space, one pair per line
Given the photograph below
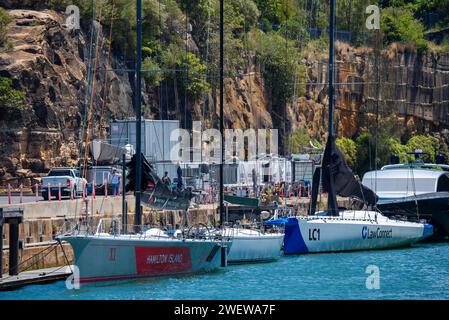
39, 276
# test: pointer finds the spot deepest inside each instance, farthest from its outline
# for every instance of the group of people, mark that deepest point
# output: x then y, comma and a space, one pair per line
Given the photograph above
116, 177
167, 181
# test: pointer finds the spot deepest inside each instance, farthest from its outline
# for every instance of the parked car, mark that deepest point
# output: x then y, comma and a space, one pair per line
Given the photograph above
68, 179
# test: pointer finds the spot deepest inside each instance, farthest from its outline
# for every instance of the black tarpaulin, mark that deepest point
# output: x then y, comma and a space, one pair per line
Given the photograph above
337, 175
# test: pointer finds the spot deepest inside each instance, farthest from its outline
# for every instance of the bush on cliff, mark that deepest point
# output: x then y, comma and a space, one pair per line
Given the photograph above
349, 150
10, 99
399, 25
5, 19
298, 140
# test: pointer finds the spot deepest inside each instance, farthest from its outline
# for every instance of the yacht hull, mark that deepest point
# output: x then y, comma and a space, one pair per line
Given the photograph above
107, 258
252, 246
335, 234
434, 207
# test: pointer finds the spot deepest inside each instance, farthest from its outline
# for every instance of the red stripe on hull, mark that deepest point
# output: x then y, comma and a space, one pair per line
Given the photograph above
134, 276
163, 260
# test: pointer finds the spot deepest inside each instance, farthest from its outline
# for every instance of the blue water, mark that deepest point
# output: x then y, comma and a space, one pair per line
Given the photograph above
420, 272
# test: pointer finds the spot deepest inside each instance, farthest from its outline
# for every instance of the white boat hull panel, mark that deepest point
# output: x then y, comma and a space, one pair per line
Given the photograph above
254, 246
349, 232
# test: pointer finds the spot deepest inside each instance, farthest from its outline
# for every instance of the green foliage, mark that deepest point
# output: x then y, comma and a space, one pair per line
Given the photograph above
398, 24
428, 144
10, 99
349, 150
295, 28
5, 19
277, 11
298, 140
152, 79
281, 66
388, 146
196, 74
395, 147
351, 16
365, 151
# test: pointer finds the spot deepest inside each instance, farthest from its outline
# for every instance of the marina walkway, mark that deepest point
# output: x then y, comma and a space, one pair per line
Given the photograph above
34, 277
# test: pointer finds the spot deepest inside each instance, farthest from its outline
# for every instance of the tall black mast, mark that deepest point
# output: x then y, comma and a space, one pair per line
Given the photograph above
221, 198
332, 199
138, 84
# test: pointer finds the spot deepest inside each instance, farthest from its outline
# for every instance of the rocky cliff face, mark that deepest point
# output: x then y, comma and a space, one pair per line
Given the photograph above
413, 87
49, 63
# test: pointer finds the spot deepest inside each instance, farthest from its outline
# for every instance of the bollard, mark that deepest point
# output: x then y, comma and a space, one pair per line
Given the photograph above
21, 194
1, 243
224, 255
84, 191
9, 194
13, 248
71, 191
59, 191
49, 191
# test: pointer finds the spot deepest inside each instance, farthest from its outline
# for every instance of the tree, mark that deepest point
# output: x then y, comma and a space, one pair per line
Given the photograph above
194, 77
395, 147
153, 78
280, 61
298, 140
5, 19
349, 150
10, 99
399, 25
428, 144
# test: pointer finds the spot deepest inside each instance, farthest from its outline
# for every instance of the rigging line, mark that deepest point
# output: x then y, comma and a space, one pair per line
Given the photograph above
159, 89
92, 94
207, 61
186, 75
52, 246
105, 87
414, 191
143, 70
89, 80
160, 98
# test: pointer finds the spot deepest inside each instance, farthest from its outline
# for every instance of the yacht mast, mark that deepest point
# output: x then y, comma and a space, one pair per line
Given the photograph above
332, 200
222, 156
138, 106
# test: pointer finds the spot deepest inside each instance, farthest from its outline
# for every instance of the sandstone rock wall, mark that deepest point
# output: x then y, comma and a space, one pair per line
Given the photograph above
414, 87
50, 63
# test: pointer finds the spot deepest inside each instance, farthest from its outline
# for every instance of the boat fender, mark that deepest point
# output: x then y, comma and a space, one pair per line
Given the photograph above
265, 215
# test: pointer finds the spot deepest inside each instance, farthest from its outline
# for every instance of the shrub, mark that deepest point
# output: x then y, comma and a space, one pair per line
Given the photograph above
349, 150
428, 144
152, 78
298, 140
395, 147
280, 61
10, 98
398, 24
5, 19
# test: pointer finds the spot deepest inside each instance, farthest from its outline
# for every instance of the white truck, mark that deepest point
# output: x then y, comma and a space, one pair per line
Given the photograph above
67, 180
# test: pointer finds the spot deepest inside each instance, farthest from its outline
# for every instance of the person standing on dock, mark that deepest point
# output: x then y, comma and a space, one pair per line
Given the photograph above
166, 179
115, 181
180, 184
